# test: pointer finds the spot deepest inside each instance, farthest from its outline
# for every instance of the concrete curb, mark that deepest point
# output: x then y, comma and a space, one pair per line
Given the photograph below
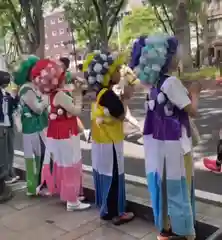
143, 210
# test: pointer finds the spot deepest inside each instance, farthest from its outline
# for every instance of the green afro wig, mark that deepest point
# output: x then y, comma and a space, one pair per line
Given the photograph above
22, 74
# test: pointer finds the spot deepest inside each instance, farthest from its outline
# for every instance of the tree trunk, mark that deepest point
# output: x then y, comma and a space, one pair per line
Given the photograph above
182, 32
204, 22
198, 44
40, 52
168, 18
158, 16
17, 37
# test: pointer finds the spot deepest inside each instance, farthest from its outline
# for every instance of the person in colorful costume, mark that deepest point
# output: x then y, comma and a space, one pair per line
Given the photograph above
34, 120
102, 70
69, 82
62, 168
167, 137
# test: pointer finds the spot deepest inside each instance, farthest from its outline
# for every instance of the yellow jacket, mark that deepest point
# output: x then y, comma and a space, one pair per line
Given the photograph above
105, 128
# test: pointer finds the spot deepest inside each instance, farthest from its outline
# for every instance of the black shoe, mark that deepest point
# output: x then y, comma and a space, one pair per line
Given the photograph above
6, 194
107, 217
125, 218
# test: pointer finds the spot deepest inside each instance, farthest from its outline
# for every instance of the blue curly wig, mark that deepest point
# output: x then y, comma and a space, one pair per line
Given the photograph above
151, 57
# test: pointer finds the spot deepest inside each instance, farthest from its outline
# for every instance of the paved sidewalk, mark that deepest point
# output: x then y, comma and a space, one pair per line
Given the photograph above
26, 218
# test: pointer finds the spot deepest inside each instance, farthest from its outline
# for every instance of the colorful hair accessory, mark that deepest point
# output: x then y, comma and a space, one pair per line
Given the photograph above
21, 76
136, 51
155, 58
48, 75
100, 66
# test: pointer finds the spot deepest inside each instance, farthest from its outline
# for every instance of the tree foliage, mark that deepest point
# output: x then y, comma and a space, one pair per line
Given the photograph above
25, 21
107, 15
141, 21
178, 14
94, 20
82, 18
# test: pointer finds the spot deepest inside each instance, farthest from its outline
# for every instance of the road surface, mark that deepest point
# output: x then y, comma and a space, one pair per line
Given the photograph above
208, 123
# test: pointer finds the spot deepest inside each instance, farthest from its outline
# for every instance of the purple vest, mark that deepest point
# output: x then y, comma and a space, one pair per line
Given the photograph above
164, 120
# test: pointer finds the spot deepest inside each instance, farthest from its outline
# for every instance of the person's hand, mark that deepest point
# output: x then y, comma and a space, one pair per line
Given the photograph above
195, 88
80, 83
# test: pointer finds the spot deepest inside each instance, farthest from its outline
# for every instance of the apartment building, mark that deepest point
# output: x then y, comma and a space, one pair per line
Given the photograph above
59, 41
215, 27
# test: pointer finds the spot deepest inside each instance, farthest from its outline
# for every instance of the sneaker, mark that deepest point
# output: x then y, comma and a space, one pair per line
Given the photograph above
211, 165
78, 206
107, 217
125, 218
164, 235
42, 192
170, 236
81, 198
11, 180
87, 134
6, 194
28, 194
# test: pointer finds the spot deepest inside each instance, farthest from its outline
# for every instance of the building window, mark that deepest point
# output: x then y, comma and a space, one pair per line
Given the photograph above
46, 36
61, 19
62, 44
61, 31
52, 21
54, 33
56, 45
46, 47
57, 56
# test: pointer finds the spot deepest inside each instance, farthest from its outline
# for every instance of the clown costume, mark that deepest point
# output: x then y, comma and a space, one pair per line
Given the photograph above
34, 121
167, 137
62, 169
107, 116
70, 78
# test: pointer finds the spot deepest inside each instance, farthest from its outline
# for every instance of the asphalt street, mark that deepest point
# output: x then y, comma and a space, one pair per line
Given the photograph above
208, 122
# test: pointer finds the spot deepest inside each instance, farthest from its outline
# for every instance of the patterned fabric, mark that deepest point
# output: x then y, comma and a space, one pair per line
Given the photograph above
100, 66
68, 77
105, 129
167, 139
33, 153
136, 51
102, 163
107, 136
63, 148
31, 121
128, 76
48, 75
155, 58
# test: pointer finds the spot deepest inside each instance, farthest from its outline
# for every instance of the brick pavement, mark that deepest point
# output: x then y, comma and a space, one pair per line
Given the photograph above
26, 218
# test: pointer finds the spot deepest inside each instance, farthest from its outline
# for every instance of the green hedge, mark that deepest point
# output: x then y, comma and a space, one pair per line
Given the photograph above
204, 73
